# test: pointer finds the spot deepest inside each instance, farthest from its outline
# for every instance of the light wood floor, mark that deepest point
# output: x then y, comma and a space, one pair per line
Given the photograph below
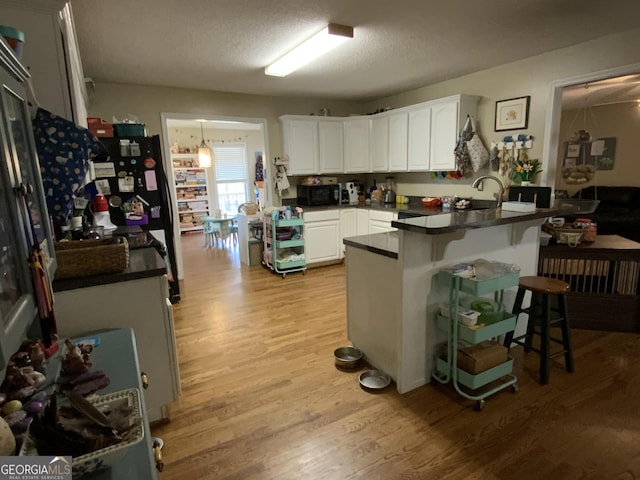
262, 399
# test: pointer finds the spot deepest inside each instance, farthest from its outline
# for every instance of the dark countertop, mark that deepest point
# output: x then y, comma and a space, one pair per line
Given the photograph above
469, 219
385, 207
437, 222
143, 263
385, 243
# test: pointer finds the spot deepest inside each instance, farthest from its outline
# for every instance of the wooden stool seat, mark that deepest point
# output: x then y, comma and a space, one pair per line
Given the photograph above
543, 315
550, 286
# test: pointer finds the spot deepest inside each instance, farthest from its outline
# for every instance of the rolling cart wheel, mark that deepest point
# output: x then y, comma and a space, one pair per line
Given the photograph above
304, 271
515, 388
479, 405
284, 275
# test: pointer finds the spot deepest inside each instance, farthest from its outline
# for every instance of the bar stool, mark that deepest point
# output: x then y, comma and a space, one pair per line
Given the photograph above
540, 314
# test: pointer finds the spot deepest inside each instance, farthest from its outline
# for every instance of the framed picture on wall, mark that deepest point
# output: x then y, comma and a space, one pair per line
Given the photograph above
512, 114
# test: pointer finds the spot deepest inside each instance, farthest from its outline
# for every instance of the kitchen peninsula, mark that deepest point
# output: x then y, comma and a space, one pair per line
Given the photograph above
392, 293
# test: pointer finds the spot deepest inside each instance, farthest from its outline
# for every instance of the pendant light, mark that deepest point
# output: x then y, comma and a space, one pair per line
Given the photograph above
584, 135
204, 152
580, 171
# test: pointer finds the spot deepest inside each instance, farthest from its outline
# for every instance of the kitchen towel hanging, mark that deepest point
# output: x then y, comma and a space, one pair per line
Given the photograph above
65, 151
461, 152
477, 152
282, 182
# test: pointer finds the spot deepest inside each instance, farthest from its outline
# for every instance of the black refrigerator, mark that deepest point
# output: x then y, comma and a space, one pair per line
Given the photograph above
134, 181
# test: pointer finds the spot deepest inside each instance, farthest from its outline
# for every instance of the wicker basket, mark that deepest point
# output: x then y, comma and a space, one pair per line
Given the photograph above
91, 257
565, 235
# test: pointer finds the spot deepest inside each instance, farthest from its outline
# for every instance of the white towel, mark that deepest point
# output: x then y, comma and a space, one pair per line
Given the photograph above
282, 182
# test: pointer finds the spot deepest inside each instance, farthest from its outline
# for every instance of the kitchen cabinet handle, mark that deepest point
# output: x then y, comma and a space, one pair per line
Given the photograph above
145, 380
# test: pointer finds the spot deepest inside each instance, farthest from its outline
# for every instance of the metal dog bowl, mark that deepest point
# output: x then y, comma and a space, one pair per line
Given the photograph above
374, 380
347, 357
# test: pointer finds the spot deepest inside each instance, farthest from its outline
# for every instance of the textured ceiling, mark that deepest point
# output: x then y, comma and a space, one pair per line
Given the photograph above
225, 45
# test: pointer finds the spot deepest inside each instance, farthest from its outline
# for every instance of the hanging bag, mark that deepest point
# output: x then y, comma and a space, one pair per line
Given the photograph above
478, 154
461, 152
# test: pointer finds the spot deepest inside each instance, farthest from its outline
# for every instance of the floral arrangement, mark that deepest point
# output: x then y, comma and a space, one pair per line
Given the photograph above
525, 170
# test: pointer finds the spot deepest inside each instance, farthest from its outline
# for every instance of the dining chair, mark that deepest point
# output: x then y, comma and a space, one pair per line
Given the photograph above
234, 230
209, 234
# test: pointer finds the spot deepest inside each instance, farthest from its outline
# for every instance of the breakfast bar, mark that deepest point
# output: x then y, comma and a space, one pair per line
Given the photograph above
392, 293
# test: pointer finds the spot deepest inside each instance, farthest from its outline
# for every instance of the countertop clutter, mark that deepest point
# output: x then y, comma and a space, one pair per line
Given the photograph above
96, 381
143, 263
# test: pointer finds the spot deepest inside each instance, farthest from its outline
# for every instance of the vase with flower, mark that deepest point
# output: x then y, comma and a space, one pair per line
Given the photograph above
525, 171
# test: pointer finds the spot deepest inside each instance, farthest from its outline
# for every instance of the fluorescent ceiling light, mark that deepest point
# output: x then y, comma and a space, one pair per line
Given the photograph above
325, 40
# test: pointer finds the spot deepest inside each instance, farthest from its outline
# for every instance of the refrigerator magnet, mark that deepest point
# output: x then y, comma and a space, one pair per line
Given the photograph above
126, 184
150, 180
149, 162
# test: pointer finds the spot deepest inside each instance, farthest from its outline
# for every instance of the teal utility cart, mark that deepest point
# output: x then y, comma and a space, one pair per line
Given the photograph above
283, 244
459, 335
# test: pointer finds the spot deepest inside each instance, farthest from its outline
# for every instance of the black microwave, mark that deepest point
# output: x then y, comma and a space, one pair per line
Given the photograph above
317, 195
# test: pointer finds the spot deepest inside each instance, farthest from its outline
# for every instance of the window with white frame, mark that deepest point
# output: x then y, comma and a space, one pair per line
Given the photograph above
231, 176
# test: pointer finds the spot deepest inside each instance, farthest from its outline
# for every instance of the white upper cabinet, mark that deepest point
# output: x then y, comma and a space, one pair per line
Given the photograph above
300, 137
380, 143
444, 135
419, 139
331, 146
356, 145
51, 54
447, 119
416, 138
398, 128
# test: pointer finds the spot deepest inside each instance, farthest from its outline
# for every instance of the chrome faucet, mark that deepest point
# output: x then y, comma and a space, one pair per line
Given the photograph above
478, 183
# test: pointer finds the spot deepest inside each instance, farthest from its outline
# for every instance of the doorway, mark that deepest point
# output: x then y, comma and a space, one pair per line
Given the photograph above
552, 140
242, 146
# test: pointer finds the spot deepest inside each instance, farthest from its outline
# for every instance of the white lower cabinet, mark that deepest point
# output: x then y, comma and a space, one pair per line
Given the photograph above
381, 221
326, 229
348, 226
362, 221
322, 236
143, 305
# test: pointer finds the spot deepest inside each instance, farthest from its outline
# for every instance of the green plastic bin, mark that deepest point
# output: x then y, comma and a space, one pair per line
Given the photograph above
129, 129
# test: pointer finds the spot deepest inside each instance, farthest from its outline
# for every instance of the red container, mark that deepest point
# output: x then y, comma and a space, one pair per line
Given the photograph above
99, 128
100, 204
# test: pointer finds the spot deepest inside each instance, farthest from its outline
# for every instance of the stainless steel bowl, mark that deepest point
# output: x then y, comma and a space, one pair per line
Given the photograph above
347, 357
374, 380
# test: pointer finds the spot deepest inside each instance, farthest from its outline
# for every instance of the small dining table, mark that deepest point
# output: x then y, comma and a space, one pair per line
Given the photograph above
217, 228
